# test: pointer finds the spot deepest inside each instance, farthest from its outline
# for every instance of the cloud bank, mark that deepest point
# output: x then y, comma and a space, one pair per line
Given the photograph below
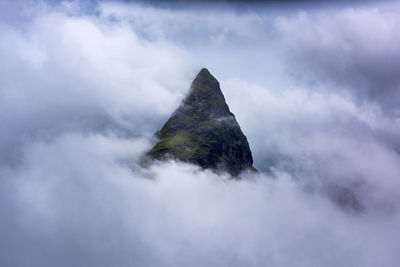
82, 91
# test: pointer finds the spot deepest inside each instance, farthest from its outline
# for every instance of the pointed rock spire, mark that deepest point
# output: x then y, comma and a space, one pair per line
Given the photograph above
203, 131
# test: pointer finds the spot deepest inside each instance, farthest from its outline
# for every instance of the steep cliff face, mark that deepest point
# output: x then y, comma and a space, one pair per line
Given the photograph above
203, 131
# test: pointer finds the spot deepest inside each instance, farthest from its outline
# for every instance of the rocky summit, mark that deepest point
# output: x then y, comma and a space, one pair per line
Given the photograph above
204, 131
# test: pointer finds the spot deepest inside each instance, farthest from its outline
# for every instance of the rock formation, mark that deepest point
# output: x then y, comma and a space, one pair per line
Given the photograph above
204, 131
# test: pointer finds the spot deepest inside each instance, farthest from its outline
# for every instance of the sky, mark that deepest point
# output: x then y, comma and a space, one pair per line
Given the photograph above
313, 85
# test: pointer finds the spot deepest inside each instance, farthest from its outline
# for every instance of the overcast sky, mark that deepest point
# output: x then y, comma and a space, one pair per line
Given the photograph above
314, 86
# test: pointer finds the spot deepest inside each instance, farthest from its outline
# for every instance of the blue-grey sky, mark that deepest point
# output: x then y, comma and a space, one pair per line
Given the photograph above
85, 84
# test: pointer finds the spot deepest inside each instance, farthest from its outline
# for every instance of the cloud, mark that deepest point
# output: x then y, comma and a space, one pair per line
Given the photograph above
65, 73
320, 138
81, 93
90, 209
353, 48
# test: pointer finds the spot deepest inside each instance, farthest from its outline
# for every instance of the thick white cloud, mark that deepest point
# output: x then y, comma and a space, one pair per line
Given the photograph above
87, 208
80, 94
77, 73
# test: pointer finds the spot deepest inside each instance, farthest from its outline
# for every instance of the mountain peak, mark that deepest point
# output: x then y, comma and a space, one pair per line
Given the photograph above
204, 75
205, 71
204, 131
206, 84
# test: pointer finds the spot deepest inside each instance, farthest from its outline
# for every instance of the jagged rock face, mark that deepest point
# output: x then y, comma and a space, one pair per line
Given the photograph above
203, 131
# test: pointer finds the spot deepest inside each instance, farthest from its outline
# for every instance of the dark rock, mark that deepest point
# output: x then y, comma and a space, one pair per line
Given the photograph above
204, 131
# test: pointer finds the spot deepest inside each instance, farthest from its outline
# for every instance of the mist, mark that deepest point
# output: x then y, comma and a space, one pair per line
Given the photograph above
83, 87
